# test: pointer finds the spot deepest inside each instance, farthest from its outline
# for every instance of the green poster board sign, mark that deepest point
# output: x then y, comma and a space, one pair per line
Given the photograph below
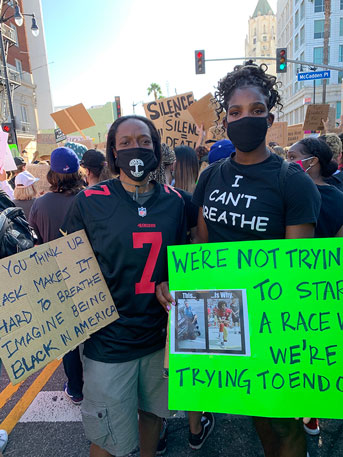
264, 332
14, 150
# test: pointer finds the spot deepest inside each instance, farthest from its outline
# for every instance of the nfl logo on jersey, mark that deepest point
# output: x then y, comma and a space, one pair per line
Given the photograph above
142, 211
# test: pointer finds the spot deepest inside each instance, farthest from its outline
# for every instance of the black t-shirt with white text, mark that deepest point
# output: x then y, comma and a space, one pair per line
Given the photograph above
130, 243
246, 202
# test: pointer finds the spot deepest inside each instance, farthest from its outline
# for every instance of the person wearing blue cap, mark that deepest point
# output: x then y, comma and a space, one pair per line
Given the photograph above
220, 150
46, 217
65, 179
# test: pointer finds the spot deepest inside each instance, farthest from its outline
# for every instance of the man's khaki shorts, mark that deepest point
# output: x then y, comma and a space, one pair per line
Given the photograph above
112, 395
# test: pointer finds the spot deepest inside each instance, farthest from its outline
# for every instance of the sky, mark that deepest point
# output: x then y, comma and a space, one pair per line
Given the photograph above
119, 47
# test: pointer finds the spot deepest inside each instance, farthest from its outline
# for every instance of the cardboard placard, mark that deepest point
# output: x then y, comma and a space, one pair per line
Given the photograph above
337, 130
203, 111
101, 146
215, 134
45, 150
59, 135
73, 119
171, 118
277, 133
53, 298
179, 130
46, 138
40, 170
332, 119
314, 116
274, 347
295, 133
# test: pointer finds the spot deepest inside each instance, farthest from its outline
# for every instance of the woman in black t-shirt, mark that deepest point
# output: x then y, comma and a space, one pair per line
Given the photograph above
315, 158
240, 198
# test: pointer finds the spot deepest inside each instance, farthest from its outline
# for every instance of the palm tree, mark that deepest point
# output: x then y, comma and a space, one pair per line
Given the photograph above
156, 90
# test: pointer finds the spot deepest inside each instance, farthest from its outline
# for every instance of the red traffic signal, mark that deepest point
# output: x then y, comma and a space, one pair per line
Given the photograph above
8, 128
118, 107
200, 62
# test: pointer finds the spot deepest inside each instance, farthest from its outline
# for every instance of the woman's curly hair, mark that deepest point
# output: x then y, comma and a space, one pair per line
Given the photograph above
247, 75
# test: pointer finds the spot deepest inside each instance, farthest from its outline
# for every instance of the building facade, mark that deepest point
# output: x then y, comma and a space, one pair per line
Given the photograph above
20, 79
261, 37
103, 116
40, 67
300, 28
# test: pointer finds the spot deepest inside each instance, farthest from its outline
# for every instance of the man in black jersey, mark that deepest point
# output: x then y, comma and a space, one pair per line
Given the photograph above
129, 222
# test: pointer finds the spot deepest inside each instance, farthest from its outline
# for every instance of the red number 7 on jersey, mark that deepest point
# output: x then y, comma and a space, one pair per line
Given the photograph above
145, 285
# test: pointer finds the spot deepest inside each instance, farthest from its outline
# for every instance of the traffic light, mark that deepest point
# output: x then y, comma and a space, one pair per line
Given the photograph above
281, 60
118, 107
200, 62
8, 128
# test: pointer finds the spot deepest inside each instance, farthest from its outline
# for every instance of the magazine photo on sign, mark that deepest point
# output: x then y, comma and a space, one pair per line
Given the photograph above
210, 322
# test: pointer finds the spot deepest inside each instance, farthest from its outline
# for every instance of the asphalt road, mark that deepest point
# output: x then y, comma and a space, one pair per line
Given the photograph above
51, 427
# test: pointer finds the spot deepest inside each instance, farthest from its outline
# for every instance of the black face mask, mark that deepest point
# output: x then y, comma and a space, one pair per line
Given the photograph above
136, 163
247, 133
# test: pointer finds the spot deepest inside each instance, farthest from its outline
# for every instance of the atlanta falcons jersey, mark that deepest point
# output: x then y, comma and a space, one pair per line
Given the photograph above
130, 243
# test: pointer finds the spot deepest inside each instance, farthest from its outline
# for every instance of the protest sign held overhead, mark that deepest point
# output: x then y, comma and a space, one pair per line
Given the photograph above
277, 133
214, 134
170, 106
331, 119
59, 135
295, 133
266, 340
46, 138
171, 118
73, 119
204, 112
314, 116
53, 297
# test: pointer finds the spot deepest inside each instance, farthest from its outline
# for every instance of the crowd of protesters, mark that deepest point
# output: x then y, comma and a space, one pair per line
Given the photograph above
117, 378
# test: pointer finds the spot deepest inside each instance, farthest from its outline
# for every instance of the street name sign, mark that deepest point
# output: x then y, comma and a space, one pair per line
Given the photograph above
309, 76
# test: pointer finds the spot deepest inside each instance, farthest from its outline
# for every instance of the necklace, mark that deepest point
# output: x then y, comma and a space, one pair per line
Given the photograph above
136, 186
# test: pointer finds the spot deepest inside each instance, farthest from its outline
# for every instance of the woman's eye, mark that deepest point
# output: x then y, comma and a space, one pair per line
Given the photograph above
234, 113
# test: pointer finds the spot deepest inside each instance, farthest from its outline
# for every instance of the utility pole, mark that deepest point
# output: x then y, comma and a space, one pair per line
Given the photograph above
327, 13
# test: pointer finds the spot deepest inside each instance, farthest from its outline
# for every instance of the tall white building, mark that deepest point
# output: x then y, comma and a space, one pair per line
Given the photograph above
300, 28
40, 67
260, 40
